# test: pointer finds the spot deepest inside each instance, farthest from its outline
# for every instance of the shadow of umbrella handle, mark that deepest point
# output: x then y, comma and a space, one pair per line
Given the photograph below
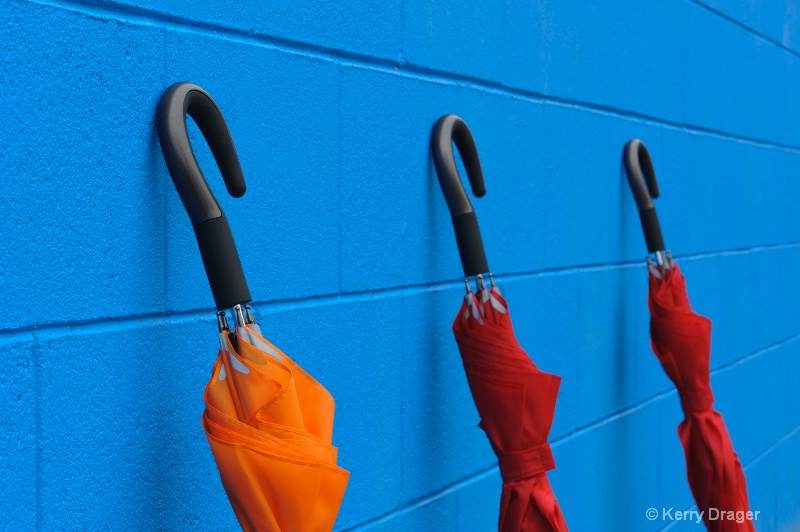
214, 238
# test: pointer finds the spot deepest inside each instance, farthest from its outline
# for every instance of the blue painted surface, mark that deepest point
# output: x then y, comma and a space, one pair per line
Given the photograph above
109, 331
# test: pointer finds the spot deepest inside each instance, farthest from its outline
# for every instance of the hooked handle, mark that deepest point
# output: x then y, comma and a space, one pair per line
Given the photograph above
642, 179
214, 238
449, 129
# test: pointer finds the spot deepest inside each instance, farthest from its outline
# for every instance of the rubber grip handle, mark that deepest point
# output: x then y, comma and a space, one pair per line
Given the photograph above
652, 230
470, 244
222, 264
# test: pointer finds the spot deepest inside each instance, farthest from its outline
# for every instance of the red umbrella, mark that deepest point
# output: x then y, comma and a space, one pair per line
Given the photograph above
681, 339
515, 400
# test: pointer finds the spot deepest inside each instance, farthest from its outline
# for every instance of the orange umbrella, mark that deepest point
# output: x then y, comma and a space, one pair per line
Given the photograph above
268, 422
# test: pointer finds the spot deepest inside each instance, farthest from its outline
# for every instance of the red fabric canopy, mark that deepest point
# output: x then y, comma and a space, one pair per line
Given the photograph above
681, 340
516, 403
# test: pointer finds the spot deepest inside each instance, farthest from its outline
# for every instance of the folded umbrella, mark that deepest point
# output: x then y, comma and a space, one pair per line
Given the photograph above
516, 401
268, 422
681, 339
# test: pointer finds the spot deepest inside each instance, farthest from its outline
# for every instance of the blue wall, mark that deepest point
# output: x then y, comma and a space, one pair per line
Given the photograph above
109, 332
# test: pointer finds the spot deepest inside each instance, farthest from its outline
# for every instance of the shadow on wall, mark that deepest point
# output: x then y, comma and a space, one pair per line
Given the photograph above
434, 386
622, 441
161, 410
167, 405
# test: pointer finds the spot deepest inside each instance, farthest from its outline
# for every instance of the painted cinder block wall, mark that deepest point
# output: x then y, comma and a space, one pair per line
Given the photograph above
108, 333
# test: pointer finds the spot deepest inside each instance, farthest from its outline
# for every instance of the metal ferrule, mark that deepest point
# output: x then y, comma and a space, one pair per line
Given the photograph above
222, 321
481, 283
469, 288
663, 259
238, 316
669, 261
249, 315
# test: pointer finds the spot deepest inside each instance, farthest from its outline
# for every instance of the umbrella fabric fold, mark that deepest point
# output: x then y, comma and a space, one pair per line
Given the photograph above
516, 402
270, 425
681, 339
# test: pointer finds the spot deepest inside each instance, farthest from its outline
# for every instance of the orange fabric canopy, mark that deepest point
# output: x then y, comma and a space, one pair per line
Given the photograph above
270, 425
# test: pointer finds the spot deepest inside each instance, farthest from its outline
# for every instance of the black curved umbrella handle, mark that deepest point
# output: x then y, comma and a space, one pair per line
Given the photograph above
214, 237
642, 179
449, 129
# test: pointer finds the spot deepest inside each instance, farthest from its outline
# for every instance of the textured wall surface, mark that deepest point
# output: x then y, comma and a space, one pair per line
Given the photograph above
109, 332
